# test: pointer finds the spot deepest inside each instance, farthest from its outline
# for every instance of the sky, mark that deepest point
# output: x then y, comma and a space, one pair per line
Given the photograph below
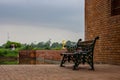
29, 21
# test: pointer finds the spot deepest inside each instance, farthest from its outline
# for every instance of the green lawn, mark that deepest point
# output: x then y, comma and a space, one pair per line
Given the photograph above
8, 53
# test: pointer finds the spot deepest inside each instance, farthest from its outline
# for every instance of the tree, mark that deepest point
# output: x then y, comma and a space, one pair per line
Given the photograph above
47, 44
56, 45
40, 45
8, 44
70, 43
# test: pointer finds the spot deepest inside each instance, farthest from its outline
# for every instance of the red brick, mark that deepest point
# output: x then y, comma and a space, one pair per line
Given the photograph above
99, 22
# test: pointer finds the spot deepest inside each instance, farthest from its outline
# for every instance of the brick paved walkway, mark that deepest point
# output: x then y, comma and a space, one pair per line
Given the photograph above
54, 72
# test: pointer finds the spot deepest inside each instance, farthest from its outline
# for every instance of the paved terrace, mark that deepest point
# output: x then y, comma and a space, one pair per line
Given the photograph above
54, 72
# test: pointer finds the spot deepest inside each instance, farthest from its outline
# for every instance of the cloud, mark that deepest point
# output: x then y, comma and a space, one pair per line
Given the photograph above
63, 15
40, 2
28, 34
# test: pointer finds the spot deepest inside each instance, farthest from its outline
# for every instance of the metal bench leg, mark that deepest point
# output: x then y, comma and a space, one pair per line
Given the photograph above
91, 63
77, 61
63, 60
75, 67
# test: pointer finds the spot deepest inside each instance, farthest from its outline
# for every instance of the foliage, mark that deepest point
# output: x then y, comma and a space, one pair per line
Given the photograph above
8, 44
56, 46
8, 53
70, 43
9, 62
43, 45
39, 46
26, 47
71, 46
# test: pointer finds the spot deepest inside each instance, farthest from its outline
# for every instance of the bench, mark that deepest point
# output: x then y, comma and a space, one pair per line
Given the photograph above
82, 52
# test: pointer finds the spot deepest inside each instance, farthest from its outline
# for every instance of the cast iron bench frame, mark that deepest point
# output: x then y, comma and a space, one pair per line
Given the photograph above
82, 52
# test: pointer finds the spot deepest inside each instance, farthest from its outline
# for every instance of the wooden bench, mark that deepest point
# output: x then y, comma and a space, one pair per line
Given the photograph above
82, 52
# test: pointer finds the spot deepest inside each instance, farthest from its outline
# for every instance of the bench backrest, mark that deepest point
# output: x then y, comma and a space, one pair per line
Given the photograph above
86, 45
82, 45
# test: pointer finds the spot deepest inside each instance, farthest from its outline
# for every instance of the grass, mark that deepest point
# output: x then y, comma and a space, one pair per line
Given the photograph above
8, 62
8, 53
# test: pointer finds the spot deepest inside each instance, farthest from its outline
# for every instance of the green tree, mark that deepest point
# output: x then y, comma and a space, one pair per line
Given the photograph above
56, 45
47, 45
8, 44
40, 45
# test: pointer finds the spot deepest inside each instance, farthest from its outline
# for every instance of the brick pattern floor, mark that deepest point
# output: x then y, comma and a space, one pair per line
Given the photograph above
54, 72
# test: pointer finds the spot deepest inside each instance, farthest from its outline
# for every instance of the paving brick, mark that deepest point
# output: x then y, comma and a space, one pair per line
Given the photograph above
54, 72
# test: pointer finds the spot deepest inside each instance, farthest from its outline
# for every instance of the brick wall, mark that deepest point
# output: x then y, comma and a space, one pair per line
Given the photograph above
35, 54
27, 54
99, 22
49, 54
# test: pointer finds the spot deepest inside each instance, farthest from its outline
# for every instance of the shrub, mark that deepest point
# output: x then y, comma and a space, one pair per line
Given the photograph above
8, 53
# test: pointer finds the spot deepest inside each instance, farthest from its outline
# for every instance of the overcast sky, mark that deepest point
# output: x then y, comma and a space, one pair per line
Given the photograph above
29, 21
